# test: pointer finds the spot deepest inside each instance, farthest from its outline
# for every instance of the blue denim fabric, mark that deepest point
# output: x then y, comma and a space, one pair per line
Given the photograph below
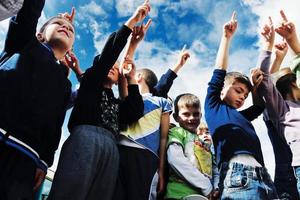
238, 181
297, 175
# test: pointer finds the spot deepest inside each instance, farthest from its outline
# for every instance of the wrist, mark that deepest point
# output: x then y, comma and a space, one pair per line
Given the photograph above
131, 80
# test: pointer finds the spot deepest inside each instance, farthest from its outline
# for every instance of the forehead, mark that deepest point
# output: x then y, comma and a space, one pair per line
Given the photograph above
185, 108
240, 85
61, 19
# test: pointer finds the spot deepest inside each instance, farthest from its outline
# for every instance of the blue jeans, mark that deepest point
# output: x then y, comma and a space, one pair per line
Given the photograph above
297, 174
238, 181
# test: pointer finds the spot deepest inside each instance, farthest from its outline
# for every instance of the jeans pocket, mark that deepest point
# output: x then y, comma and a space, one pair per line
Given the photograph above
236, 180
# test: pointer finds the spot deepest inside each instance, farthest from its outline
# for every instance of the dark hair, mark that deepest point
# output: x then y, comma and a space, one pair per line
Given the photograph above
149, 77
283, 84
42, 29
232, 77
186, 99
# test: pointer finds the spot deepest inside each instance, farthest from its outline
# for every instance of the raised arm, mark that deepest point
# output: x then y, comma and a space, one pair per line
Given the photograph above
166, 80
287, 30
113, 47
228, 31
22, 27
138, 35
275, 104
280, 52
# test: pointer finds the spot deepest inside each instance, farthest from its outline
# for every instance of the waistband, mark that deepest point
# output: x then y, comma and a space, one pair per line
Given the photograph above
258, 173
24, 148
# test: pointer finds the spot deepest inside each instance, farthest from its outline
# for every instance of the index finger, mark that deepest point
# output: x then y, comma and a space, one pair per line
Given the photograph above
283, 16
270, 21
148, 24
233, 16
72, 14
183, 48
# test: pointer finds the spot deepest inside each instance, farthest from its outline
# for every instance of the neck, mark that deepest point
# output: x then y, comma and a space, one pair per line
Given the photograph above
143, 89
58, 53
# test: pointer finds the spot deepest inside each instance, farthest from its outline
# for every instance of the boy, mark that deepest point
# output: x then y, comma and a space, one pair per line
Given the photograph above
34, 93
189, 154
142, 146
284, 178
283, 101
238, 149
95, 124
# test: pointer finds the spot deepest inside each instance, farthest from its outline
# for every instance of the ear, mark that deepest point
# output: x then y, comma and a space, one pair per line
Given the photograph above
40, 37
175, 116
139, 77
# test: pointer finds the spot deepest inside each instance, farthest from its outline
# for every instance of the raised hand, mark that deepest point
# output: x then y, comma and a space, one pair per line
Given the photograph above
269, 34
68, 16
281, 50
230, 27
71, 61
139, 15
183, 56
286, 28
127, 69
257, 76
139, 32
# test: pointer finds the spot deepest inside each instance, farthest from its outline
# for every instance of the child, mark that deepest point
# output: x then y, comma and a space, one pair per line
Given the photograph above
189, 153
238, 149
34, 93
287, 30
283, 101
142, 146
284, 179
89, 159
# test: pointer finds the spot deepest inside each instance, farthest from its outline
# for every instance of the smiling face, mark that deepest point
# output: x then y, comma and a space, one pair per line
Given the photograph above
58, 32
188, 117
235, 94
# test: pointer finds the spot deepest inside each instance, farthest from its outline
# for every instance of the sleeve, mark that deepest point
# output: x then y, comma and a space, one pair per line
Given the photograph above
22, 28
132, 107
164, 84
166, 106
181, 165
104, 61
275, 105
9, 8
295, 67
252, 112
214, 89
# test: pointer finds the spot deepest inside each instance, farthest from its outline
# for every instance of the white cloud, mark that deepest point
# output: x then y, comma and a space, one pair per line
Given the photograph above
91, 9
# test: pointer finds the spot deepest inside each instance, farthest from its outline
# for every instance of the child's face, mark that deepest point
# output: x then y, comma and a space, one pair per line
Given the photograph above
235, 94
204, 135
59, 33
188, 118
113, 74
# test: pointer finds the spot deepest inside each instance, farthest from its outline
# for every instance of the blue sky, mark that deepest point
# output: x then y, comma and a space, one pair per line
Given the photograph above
196, 23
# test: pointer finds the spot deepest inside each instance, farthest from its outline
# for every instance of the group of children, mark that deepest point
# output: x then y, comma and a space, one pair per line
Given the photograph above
126, 148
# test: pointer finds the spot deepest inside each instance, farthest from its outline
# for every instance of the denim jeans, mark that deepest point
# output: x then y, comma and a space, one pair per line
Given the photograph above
297, 174
238, 181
